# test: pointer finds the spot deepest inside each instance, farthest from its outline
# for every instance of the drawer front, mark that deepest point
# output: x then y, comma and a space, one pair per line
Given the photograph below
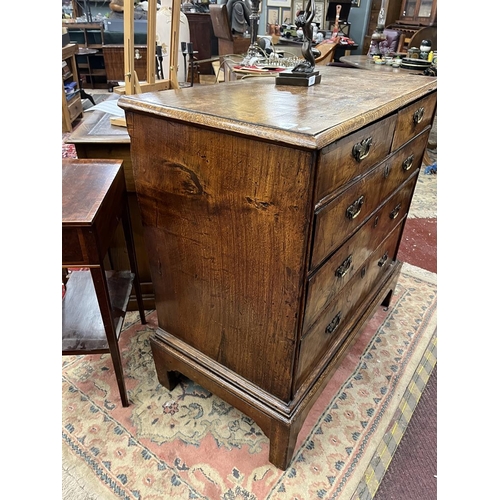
353, 155
329, 330
404, 162
340, 218
343, 265
414, 119
75, 108
72, 252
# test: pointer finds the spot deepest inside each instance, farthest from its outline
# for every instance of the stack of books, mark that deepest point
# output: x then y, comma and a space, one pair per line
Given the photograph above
70, 89
66, 72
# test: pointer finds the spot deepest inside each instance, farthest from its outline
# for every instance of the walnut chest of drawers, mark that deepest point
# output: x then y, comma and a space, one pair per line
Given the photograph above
272, 218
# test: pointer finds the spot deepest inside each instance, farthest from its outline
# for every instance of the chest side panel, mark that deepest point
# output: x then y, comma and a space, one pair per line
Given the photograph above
226, 224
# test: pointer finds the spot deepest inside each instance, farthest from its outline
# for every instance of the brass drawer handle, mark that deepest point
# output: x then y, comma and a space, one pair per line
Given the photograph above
408, 163
383, 260
395, 212
353, 210
418, 115
361, 149
344, 267
334, 323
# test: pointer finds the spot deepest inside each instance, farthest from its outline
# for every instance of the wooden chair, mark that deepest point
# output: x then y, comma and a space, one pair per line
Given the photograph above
327, 52
429, 33
228, 43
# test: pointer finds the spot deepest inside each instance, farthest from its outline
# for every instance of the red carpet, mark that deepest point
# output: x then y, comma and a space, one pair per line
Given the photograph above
419, 243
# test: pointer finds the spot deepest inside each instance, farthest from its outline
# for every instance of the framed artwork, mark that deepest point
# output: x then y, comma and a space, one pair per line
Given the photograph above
273, 16
286, 16
279, 3
298, 5
318, 18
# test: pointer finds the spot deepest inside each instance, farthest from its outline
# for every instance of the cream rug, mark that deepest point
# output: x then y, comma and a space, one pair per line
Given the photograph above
188, 443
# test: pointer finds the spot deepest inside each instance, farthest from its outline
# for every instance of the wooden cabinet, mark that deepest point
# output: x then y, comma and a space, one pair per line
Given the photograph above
272, 218
418, 12
203, 39
72, 108
89, 38
405, 16
114, 60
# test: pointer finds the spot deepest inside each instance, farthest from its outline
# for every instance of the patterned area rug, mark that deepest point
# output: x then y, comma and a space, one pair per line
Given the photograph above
189, 444
68, 150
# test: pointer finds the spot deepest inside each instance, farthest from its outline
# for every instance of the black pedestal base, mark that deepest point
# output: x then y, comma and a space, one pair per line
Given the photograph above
298, 79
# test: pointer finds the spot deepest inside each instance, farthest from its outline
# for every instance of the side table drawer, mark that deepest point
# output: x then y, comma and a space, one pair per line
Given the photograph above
353, 155
413, 119
72, 252
75, 108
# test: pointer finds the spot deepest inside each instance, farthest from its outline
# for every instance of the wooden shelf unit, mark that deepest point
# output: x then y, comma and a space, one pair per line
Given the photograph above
72, 108
418, 12
89, 37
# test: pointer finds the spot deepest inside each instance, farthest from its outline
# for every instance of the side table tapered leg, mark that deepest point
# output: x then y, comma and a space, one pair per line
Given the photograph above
101, 289
129, 239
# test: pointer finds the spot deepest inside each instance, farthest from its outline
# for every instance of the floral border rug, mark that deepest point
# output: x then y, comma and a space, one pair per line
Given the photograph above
189, 444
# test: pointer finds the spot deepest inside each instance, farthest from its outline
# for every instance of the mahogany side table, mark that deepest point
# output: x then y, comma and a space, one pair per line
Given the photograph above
94, 201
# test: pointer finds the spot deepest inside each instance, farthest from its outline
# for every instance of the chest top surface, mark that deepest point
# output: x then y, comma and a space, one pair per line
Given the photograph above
308, 117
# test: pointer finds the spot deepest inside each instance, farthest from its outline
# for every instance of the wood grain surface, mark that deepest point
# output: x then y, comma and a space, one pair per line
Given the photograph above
310, 117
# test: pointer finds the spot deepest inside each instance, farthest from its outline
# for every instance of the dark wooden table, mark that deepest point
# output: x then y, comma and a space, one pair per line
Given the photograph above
366, 63
94, 200
95, 137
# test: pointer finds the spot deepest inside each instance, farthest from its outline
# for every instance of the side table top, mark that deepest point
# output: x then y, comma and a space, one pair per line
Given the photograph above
96, 128
85, 184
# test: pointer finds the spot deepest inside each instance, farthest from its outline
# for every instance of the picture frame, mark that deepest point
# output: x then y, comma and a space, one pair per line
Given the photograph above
279, 3
298, 5
286, 16
318, 18
273, 16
